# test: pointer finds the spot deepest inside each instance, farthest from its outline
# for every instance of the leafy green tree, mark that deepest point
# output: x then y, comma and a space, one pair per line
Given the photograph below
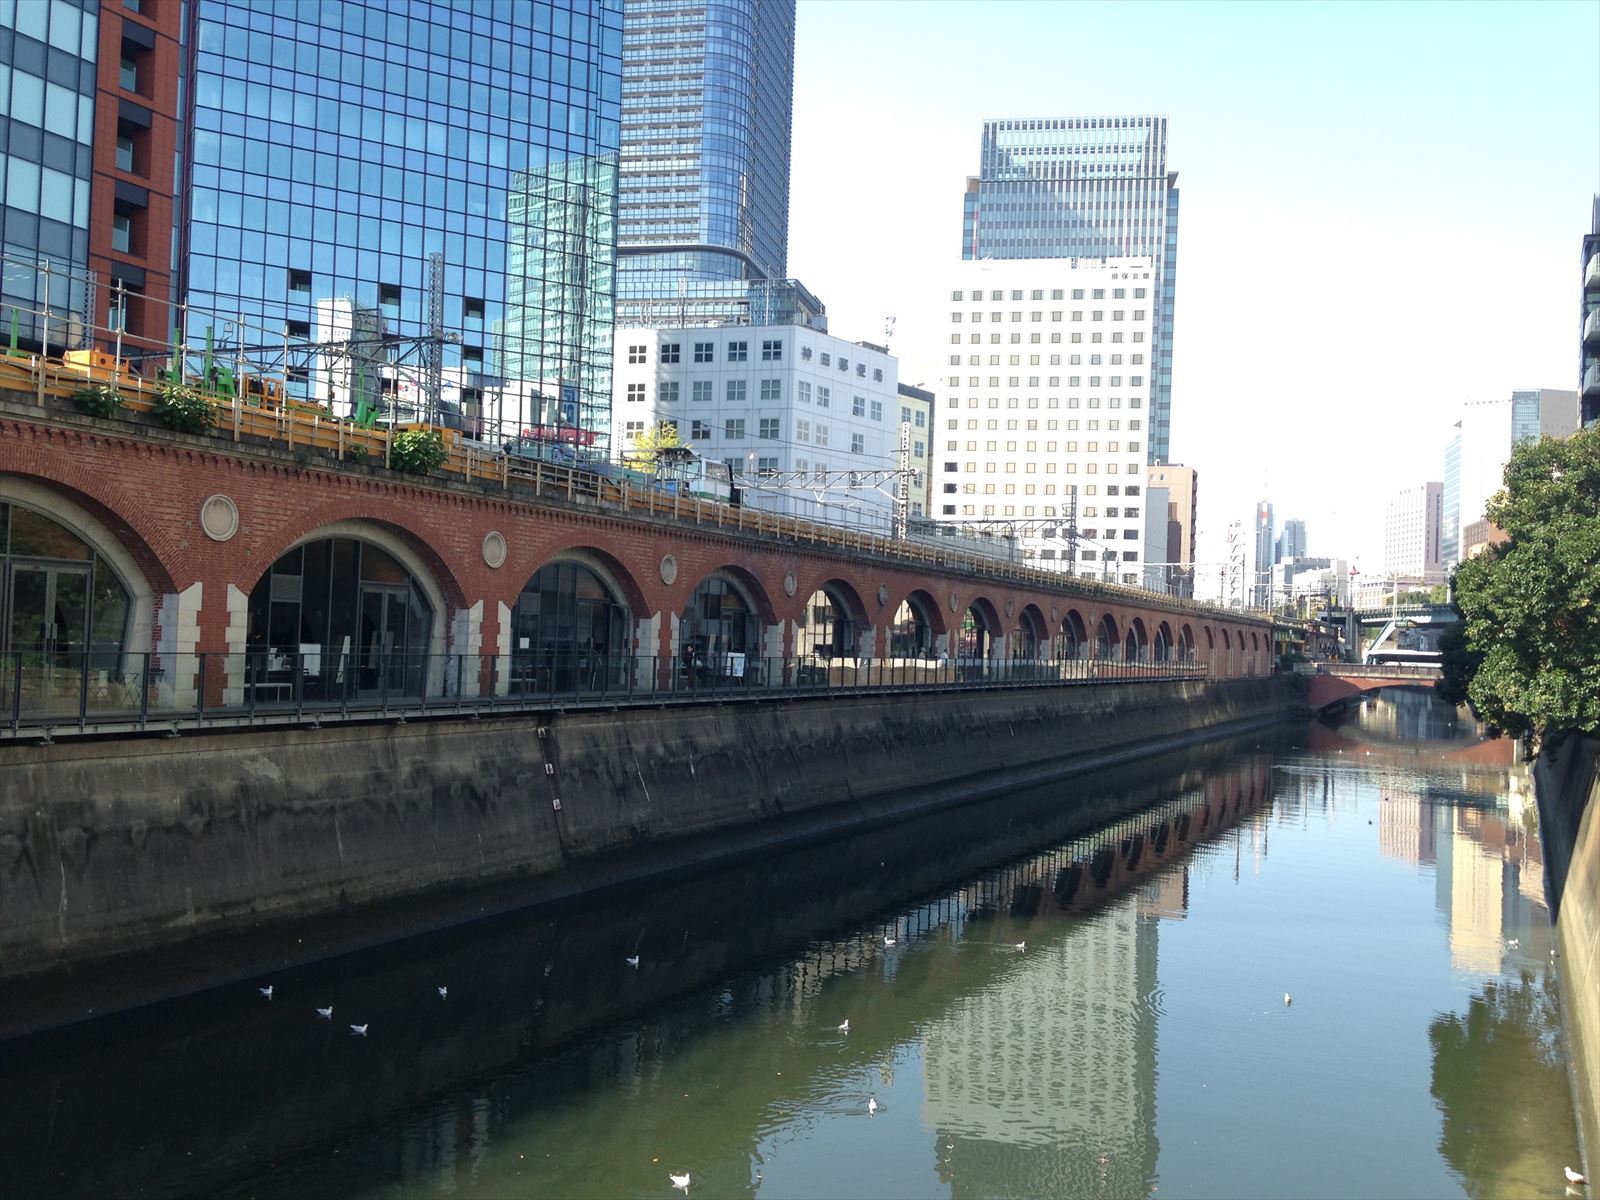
1531, 606
663, 435
417, 451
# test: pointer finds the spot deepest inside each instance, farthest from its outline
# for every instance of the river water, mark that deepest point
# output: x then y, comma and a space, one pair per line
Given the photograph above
1315, 962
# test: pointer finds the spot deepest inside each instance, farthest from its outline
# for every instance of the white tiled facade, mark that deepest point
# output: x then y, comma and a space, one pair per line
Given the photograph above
1412, 520
1046, 392
768, 399
916, 413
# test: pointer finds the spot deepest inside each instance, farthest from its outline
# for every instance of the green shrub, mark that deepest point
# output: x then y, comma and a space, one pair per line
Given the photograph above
100, 401
417, 451
183, 408
356, 454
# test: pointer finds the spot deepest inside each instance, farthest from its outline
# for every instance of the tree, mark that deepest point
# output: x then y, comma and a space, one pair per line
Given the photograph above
1530, 607
663, 435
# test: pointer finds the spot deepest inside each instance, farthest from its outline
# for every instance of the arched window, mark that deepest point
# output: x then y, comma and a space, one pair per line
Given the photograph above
63, 610
569, 632
826, 628
911, 635
718, 622
338, 617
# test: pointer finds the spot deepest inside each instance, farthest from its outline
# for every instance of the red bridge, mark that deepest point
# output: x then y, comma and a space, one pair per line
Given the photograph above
289, 571
1334, 683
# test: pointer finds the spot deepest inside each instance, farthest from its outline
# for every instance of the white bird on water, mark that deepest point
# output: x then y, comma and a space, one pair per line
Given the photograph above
326, 1013
681, 1182
358, 1031
1513, 943
872, 1106
633, 961
1287, 999
1021, 946
888, 941
443, 992
266, 991
845, 1028
1575, 1176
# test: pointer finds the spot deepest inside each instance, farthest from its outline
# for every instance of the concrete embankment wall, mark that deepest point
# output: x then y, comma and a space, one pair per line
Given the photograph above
1568, 784
123, 846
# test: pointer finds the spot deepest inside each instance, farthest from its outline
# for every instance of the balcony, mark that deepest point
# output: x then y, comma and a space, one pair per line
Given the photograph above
1591, 329
1591, 273
1591, 382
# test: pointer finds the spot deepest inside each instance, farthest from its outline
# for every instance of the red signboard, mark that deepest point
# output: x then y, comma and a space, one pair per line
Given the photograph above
570, 434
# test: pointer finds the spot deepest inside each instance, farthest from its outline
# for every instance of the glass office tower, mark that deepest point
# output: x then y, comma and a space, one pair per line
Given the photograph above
335, 150
707, 99
48, 51
1083, 187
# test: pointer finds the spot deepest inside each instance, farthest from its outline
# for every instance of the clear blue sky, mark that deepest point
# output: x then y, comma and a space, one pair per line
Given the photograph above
1381, 210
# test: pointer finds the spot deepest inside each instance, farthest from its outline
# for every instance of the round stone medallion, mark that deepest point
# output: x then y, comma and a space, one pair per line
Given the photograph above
790, 584
883, 594
219, 517
669, 570
494, 549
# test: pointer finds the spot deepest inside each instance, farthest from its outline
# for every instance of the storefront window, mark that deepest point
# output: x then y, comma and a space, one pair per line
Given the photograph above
826, 630
60, 601
569, 633
338, 617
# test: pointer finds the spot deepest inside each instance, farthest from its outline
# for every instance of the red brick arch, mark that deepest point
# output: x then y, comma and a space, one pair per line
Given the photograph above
516, 573
932, 610
156, 550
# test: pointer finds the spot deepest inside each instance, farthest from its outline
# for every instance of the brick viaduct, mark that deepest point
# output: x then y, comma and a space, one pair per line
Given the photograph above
136, 493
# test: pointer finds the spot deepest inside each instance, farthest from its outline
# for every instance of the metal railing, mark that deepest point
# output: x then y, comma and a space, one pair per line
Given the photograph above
52, 384
1370, 670
102, 692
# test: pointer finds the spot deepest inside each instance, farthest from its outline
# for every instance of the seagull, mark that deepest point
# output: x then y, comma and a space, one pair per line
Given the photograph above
1287, 999
872, 1106
887, 942
1021, 946
1513, 943
845, 1028
1575, 1176
358, 1031
633, 961
326, 1013
266, 991
443, 992
681, 1182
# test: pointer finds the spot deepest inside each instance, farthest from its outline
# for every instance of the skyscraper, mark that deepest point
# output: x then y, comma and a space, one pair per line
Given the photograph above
1083, 187
1261, 593
707, 99
1411, 529
1291, 543
334, 150
1450, 502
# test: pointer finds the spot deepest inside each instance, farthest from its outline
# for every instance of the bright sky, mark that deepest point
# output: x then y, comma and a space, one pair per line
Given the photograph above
1382, 205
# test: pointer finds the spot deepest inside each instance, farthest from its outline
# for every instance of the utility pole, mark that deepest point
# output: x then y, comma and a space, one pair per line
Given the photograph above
433, 380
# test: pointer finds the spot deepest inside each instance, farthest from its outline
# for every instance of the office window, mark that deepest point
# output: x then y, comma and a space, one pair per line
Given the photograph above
671, 352
858, 406
877, 410
802, 391
633, 429
767, 466
705, 352
668, 392
121, 232
124, 153
700, 429
635, 392
702, 389
738, 351
733, 429
822, 434
772, 390
636, 354
822, 397
738, 391
769, 428
772, 351
858, 443
802, 430
128, 75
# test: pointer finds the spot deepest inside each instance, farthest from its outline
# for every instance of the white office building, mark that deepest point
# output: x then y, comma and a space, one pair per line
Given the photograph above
1044, 409
803, 418
1413, 519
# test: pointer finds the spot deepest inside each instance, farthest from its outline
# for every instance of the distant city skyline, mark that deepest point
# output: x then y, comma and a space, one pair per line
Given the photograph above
1291, 247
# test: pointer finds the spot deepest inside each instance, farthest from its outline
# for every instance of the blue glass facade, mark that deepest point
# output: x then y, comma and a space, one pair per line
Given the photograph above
48, 50
335, 147
1450, 515
1083, 187
707, 104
